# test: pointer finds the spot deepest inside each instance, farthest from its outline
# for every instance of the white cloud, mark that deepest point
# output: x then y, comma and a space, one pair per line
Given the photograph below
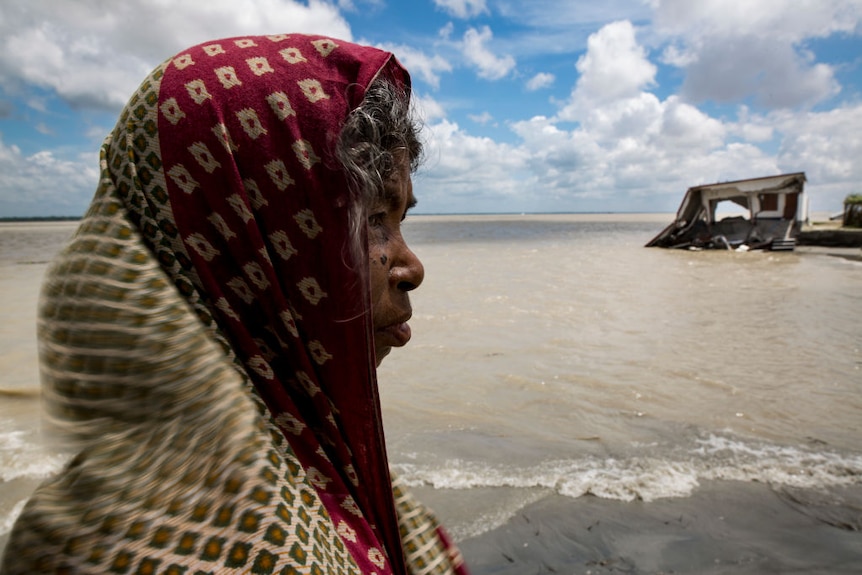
463, 170
826, 145
419, 63
639, 117
626, 140
539, 81
647, 168
775, 74
446, 31
351, 6
29, 183
788, 20
615, 144
483, 118
37, 103
687, 129
427, 108
462, 8
562, 26
93, 57
735, 49
679, 56
476, 53
638, 154
572, 14
631, 150
615, 65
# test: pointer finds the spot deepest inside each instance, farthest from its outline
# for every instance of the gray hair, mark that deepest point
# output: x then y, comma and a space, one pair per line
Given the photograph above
371, 142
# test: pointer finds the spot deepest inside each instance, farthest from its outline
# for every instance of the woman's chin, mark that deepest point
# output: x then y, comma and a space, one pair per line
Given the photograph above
382, 352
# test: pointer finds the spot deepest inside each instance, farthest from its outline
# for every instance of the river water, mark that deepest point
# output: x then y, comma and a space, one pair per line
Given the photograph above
554, 356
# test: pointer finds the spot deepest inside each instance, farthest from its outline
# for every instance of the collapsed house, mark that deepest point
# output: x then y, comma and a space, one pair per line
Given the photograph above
774, 210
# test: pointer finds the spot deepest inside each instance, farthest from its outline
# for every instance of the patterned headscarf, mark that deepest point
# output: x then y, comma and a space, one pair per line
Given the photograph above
206, 337
253, 227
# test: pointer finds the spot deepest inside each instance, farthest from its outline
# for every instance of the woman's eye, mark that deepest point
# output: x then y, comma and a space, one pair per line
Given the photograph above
376, 220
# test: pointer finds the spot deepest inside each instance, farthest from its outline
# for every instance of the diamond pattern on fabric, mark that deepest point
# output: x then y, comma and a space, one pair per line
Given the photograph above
251, 123
278, 174
305, 154
198, 91
259, 66
172, 111
292, 55
313, 90
324, 46
183, 61
203, 156
280, 105
213, 49
183, 178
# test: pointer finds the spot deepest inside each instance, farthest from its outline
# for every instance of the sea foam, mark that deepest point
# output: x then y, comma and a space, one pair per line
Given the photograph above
676, 473
22, 458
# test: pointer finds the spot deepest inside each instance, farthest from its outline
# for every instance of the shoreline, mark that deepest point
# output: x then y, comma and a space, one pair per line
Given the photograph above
818, 233
830, 237
723, 527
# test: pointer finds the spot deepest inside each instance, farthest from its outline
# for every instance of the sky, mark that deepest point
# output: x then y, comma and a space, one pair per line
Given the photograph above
526, 105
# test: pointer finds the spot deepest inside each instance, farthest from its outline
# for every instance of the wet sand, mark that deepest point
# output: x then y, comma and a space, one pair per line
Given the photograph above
724, 527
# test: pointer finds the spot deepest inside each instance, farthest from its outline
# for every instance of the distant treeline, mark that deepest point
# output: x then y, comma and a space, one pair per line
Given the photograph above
42, 219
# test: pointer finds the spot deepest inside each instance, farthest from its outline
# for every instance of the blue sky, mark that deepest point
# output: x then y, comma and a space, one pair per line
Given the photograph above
528, 105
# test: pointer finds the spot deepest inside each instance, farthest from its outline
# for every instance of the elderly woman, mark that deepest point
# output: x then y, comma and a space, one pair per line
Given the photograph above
209, 339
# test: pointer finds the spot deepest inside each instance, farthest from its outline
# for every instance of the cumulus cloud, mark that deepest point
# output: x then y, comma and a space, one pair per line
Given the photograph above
539, 81
462, 169
582, 168
94, 58
446, 31
427, 67
483, 118
775, 74
614, 68
826, 145
788, 20
427, 108
615, 65
30, 182
490, 66
462, 8
734, 49
616, 143
631, 149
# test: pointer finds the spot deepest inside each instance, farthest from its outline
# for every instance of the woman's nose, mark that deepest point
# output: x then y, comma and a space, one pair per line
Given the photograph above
407, 272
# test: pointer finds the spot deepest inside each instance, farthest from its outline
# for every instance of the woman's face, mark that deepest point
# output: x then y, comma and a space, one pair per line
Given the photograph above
395, 270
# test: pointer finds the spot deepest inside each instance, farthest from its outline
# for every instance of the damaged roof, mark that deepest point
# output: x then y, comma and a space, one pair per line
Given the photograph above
777, 206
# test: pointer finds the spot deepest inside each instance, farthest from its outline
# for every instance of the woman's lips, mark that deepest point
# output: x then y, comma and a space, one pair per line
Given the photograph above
397, 334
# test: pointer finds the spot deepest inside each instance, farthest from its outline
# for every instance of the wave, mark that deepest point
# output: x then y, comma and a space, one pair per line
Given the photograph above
8, 521
22, 459
676, 473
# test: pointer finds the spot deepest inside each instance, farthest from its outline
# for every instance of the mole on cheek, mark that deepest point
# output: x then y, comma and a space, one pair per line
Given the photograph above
383, 260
